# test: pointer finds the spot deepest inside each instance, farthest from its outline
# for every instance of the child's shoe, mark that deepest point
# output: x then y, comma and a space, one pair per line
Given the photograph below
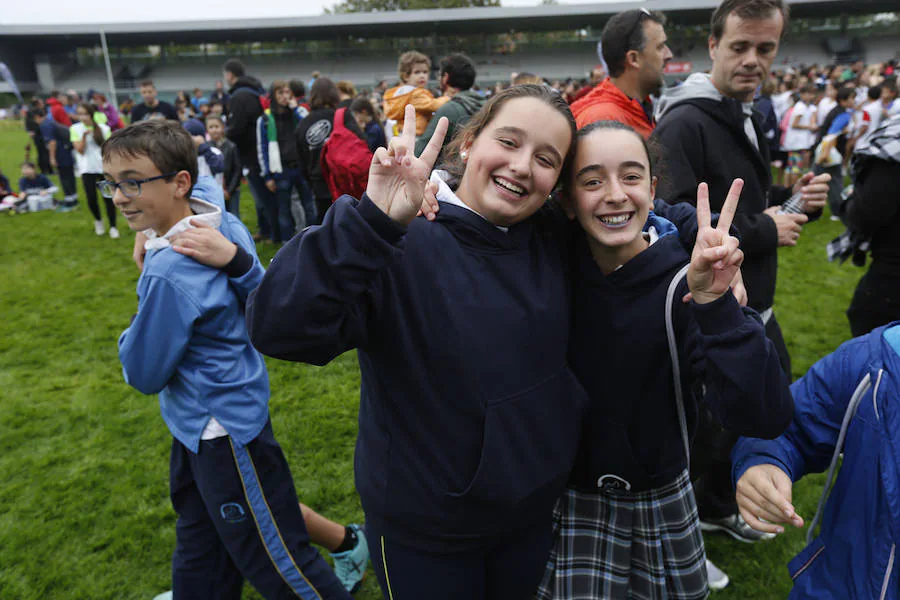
99, 229
350, 566
114, 233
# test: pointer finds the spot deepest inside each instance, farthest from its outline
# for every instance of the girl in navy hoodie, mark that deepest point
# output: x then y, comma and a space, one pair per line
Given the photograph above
628, 526
469, 415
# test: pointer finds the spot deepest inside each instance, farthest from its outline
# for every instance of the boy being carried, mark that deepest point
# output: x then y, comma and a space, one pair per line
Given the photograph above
414, 69
231, 487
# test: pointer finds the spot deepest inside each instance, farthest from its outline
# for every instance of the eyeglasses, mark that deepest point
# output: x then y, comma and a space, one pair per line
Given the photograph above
131, 188
641, 13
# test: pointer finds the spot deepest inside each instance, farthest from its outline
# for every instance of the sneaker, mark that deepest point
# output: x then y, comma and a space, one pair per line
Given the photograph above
99, 229
350, 566
717, 578
736, 527
166, 596
65, 208
114, 233
835, 218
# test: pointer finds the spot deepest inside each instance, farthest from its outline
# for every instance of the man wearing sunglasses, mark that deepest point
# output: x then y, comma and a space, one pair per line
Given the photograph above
636, 51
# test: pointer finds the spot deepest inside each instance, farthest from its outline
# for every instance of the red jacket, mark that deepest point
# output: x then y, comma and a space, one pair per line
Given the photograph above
606, 102
58, 112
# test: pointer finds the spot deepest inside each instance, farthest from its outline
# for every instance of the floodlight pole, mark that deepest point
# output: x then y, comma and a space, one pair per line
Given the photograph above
109, 73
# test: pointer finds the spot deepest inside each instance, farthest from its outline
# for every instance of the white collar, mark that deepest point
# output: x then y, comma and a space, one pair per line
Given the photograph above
445, 194
205, 212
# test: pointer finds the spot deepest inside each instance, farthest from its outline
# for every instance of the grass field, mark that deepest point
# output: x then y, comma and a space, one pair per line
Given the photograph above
84, 508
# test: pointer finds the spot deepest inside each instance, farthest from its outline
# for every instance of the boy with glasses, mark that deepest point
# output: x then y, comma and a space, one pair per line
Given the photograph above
238, 514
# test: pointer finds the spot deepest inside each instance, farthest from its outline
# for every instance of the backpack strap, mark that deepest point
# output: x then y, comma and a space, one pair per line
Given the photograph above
673, 356
338, 124
861, 390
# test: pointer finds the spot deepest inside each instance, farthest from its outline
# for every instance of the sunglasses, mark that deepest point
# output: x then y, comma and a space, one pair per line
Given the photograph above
640, 14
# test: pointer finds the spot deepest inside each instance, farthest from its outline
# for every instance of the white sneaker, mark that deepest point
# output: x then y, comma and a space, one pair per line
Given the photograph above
99, 229
165, 596
718, 580
114, 233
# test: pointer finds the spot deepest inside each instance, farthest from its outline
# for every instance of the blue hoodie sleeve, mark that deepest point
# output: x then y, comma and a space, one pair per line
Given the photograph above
325, 285
821, 398
214, 158
155, 342
746, 389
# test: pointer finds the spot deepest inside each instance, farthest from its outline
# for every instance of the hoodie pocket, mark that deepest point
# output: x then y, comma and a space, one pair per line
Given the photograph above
529, 442
803, 561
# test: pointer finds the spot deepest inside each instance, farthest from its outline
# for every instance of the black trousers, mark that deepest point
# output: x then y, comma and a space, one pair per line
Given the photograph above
876, 301
239, 518
506, 568
711, 454
89, 180
67, 181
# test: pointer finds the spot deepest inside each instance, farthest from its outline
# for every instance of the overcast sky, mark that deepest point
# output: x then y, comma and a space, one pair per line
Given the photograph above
115, 11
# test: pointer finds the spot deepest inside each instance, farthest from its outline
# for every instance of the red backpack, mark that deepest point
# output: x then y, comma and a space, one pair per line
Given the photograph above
345, 160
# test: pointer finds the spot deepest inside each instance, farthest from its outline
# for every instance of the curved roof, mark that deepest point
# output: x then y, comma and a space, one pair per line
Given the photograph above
401, 23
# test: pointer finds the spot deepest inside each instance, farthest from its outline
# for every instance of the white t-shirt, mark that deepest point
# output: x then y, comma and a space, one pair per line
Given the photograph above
781, 103
91, 161
874, 109
825, 106
800, 139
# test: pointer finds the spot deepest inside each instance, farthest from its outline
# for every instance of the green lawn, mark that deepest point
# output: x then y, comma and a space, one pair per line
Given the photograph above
84, 508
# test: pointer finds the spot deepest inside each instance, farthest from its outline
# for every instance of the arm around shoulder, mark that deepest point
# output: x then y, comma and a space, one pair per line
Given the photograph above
322, 288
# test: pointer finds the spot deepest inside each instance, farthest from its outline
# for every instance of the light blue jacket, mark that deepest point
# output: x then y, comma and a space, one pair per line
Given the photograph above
855, 555
189, 343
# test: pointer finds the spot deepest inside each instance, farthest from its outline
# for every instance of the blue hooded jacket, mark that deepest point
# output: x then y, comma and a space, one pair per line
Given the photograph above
854, 556
189, 342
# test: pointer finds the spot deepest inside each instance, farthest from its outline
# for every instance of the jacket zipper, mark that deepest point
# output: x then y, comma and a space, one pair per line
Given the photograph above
887, 575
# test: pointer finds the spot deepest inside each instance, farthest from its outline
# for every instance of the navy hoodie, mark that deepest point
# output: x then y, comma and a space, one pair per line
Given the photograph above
469, 415
619, 352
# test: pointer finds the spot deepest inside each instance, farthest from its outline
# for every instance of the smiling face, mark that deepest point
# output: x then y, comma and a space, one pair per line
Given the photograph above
743, 56
161, 203
611, 193
515, 162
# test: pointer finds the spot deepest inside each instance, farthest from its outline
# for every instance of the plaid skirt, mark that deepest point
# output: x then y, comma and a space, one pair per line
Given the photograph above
645, 545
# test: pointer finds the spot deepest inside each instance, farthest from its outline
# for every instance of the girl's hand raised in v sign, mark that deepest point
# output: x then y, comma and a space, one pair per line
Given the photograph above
716, 258
396, 177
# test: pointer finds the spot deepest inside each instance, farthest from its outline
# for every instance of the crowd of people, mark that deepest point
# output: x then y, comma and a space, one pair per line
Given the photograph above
493, 257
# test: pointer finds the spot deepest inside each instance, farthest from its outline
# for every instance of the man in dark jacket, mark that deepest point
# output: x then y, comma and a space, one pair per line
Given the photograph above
244, 108
711, 134
457, 79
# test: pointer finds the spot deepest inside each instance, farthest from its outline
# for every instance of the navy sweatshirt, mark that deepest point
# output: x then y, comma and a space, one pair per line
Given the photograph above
619, 352
469, 415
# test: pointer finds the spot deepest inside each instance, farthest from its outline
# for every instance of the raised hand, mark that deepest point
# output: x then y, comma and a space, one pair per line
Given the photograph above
716, 258
763, 496
396, 177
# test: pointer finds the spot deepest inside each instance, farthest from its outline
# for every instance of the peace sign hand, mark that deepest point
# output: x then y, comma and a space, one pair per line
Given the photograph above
716, 258
396, 177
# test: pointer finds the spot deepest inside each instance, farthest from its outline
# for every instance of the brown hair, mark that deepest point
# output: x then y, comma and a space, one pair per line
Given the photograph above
651, 146
408, 60
523, 78
345, 87
754, 10
97, 130
166, 143
323, 94
454, 164
148, 83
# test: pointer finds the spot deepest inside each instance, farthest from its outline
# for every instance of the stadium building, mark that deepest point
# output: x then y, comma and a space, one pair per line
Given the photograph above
553, 41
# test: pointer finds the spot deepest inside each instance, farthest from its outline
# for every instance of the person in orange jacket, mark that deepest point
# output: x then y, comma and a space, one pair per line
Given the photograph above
414, 69
636, 52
